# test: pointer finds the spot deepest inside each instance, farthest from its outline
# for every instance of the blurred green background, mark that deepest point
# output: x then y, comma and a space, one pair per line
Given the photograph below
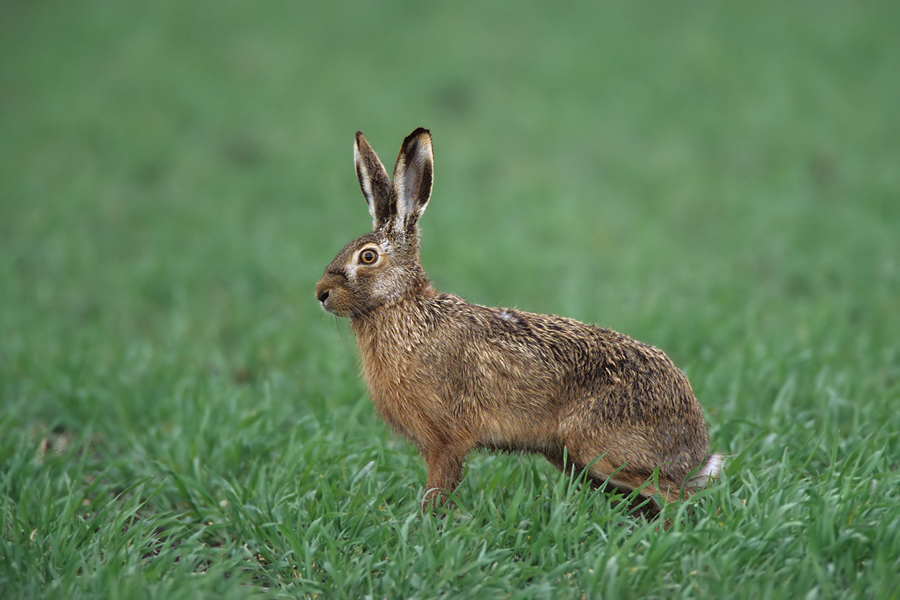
718, 180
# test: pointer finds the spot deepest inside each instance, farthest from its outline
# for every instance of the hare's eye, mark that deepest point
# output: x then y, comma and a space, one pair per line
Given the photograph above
368, 256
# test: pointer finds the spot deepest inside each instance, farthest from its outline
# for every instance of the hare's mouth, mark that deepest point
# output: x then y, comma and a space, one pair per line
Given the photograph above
337, 304
326, 301
328, 305
337, 312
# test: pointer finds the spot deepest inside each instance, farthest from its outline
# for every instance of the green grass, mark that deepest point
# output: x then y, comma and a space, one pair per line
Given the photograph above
181, 420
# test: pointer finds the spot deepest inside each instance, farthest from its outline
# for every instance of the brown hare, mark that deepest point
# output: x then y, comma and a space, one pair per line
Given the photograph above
453, 377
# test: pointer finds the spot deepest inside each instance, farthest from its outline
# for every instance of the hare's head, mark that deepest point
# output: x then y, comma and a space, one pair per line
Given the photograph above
383, 267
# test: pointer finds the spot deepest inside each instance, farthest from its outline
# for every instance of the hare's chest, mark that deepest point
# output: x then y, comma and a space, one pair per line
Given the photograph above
401, 394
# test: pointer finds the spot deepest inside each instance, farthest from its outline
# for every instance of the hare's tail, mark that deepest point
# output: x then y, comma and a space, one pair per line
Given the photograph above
708, 471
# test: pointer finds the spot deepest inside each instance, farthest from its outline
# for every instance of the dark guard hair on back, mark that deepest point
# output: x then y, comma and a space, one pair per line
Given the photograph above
453, 377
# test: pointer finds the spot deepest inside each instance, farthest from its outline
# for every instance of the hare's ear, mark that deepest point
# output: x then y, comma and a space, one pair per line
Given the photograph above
374, 182
413, 175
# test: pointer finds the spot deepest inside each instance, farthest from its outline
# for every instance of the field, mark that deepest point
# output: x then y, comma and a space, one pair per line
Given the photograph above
180, 419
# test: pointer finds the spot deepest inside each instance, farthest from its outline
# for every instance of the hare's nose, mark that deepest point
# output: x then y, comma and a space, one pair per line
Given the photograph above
322, 295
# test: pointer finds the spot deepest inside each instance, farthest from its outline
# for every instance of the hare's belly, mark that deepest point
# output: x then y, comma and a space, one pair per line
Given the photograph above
515, 427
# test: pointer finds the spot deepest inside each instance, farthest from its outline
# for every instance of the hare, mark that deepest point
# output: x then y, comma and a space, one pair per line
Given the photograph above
453, 377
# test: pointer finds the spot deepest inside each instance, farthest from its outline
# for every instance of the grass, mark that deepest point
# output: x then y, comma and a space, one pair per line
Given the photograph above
180, 420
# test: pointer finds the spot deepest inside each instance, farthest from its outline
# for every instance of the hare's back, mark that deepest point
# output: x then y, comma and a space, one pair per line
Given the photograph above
567, 358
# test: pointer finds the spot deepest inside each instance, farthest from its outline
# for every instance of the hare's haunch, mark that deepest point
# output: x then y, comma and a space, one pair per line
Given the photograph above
453, 377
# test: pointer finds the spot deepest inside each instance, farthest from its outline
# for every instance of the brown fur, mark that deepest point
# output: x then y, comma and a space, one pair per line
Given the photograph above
453, 377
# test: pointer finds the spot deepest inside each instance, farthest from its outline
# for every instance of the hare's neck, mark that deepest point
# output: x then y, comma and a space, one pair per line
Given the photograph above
402, 324
390, 339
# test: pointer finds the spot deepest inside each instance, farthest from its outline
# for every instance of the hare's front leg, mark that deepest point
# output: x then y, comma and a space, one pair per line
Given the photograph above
445, 465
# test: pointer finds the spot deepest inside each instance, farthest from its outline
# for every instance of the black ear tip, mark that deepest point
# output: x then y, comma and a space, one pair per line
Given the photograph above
413, 140
360, 136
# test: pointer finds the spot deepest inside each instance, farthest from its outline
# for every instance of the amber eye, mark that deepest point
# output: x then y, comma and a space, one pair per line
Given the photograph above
368, 256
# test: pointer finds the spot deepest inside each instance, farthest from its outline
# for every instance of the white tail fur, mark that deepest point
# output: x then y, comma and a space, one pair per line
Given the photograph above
711, 469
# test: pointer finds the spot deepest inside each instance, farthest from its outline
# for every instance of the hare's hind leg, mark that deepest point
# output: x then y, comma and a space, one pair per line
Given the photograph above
618, 456
638, 506
655, 484
604, 478
627, 464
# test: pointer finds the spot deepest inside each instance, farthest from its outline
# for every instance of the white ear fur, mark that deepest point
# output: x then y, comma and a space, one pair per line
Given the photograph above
413, 177
373, 181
